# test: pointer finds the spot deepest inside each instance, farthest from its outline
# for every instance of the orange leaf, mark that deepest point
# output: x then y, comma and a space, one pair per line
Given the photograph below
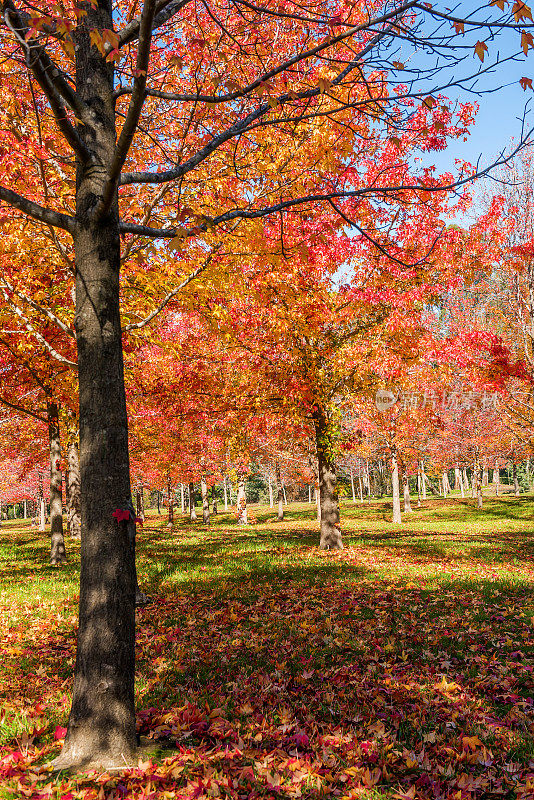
526, 83
481, 48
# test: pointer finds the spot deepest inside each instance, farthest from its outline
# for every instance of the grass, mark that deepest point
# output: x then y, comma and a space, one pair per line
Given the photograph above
399, 667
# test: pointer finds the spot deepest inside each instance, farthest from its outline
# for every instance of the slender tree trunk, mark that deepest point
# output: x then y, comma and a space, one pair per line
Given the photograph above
418, 486
318, 503
279, 492
192, 509
242, 515
330, 528
214, 499
497, 480
271, 499
360, 487
445, 483
14, 511
395, 487
423, 480
158, 501
477, 477
25, 510
466, 480
42, 514
461, 483
310, 497
170, 501
457, 478
182, 498
516, 482
205, 501
57, 540
74, 525
352, 485
406, 490
485, 476
225, 494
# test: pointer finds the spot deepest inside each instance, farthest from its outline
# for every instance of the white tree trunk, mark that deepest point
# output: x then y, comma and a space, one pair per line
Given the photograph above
395, 488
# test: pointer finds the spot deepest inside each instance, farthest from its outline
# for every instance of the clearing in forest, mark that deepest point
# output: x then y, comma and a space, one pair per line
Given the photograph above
401, 667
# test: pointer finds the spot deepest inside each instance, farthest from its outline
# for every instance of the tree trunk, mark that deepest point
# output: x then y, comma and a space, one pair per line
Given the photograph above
360, 487
310, 494
352, 485
170, 502
418, 486
182, 498
192, 509
242, 515
74, 526
205, 501
25, 510
330, 528
485, 476
271, 498
461, 482
445, 483
423, 480
279, 492
497, 480
225, 494
284, 493
466, 480
158, 501
318, 503
477, 478
214, 499
101, 729
406, 491
457, 478
516, 482
395, 487
57, 540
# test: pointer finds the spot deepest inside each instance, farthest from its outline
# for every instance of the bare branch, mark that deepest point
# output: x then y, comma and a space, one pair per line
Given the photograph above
165, 10
40, 213
22, 410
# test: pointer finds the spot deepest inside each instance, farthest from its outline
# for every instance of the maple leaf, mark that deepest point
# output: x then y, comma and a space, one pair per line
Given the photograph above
481, 48
121, 514
526, 83
60, 732
521, 11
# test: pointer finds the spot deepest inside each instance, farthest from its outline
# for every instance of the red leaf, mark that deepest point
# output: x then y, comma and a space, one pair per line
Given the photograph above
60, 732
121, 514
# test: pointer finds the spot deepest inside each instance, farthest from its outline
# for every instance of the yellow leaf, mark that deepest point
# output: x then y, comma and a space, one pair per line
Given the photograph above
481, 48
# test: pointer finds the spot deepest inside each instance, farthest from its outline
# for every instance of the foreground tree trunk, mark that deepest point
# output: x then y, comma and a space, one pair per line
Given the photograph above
242, 514
423, 481
496, 480
328, 497
271, 498
397, 519
205, 501
477, 478
225, 493
101, 728
214, 499
466, 480
279, 492
74, 525
57, 540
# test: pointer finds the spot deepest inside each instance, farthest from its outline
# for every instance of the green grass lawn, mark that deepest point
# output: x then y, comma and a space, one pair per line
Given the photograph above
399, 667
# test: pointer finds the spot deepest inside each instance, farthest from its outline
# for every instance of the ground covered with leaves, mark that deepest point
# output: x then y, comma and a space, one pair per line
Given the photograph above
401, 667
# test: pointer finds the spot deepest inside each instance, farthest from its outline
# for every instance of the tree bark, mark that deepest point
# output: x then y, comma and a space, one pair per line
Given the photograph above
485, 476
477, 478
330, 538
271, 498
101, 729
158, 501
74, 525
496, 480
205, 501
423, 481
360, 487
445, 483
516, 482
182, 498
395, 487
242, 514
418, 486
279, 492
225, 493
57, 540
214, 499
192, 509
352, 485
170, 502
406, 491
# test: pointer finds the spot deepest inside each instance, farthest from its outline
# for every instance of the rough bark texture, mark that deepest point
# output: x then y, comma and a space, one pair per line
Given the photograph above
101, 728
395, 487
242, 514
74, 523
279, 492
192, 510
329, 504
205, 501
516, 482
466, 480
57, 540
